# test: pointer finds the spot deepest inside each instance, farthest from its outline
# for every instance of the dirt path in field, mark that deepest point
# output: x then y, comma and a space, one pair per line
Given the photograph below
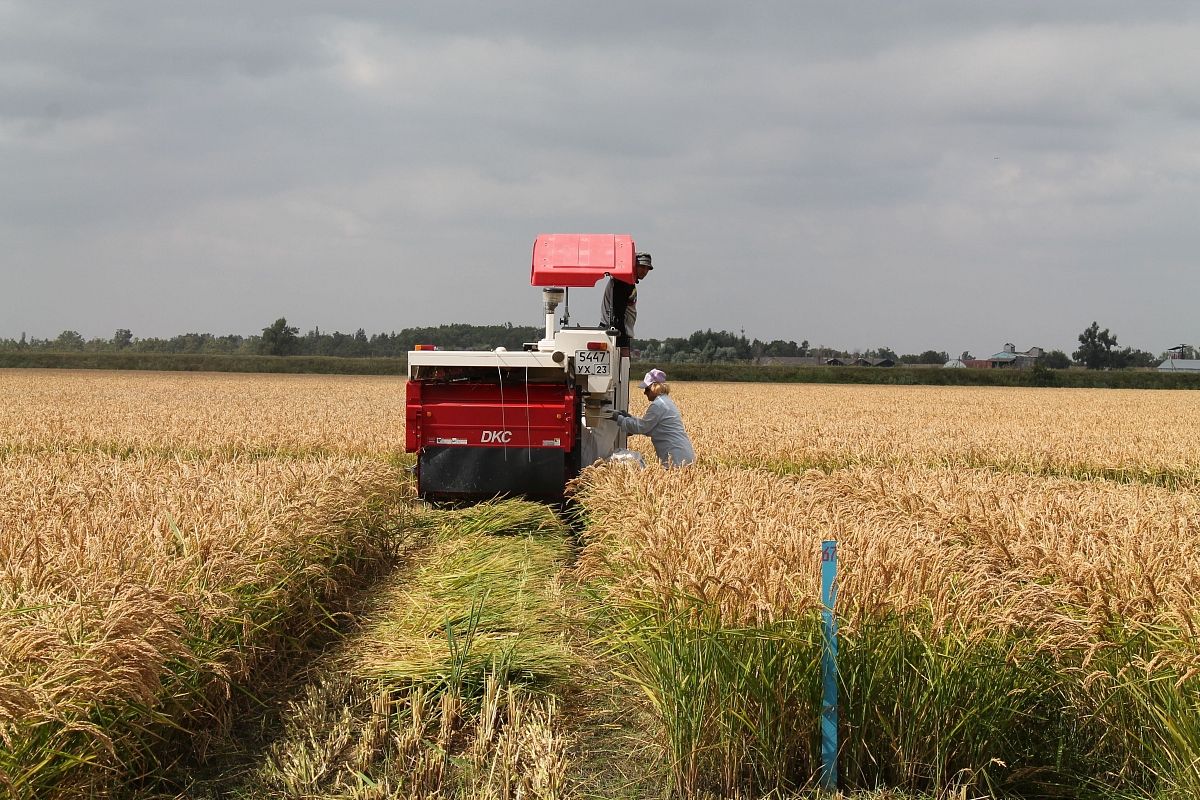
470, 670
226, 766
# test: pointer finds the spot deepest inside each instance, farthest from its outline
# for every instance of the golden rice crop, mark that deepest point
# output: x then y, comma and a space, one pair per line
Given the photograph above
159, 534
914, 487
200, 415
1116, 433
155, 527
978, 547
1016, 577
121, 579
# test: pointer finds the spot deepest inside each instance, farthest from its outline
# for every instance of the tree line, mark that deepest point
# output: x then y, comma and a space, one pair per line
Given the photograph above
709, 347
1098, 348
281, 339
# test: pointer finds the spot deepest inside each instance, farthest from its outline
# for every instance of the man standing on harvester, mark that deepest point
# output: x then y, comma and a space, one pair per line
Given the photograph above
619, 309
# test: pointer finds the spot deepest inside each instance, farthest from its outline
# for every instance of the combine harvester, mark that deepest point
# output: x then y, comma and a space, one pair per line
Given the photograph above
488, 423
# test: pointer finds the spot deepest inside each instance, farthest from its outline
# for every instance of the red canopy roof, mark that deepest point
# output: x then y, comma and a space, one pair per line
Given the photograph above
581, 259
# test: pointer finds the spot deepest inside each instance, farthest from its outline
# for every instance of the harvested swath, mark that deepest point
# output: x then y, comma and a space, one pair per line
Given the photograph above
349, 738
483, 599
444, 694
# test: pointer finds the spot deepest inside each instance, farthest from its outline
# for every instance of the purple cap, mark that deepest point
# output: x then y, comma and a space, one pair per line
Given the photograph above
653, 376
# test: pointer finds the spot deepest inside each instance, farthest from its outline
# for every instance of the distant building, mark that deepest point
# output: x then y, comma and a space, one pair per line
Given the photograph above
791, 361
820, 361
1009, 358
1180, 365
955, 363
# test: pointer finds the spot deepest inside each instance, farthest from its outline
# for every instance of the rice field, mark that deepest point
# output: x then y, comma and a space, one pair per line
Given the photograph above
1122, 434
1016, 591
1016, 597
201, 416
164, 537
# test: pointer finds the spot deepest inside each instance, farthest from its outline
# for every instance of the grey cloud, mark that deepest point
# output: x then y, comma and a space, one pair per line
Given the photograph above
854, 174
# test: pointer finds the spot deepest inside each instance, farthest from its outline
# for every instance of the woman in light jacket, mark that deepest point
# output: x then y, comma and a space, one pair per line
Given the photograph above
662, 422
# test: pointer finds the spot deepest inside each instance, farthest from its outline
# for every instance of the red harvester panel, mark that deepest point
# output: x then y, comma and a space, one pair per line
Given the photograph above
487, 415
581, 259
412, 416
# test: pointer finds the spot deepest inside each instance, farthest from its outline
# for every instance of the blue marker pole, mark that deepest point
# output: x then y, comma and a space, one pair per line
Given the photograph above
829, 678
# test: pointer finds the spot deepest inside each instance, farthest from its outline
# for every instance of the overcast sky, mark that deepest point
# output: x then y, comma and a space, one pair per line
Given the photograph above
928, 175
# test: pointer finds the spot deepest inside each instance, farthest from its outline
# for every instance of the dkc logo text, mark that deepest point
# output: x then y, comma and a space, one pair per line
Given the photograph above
493, 437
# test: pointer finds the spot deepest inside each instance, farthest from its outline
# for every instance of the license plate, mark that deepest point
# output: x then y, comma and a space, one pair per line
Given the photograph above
592, 362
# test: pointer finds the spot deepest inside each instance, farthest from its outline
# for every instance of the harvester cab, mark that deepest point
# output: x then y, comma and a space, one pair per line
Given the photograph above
489, 423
